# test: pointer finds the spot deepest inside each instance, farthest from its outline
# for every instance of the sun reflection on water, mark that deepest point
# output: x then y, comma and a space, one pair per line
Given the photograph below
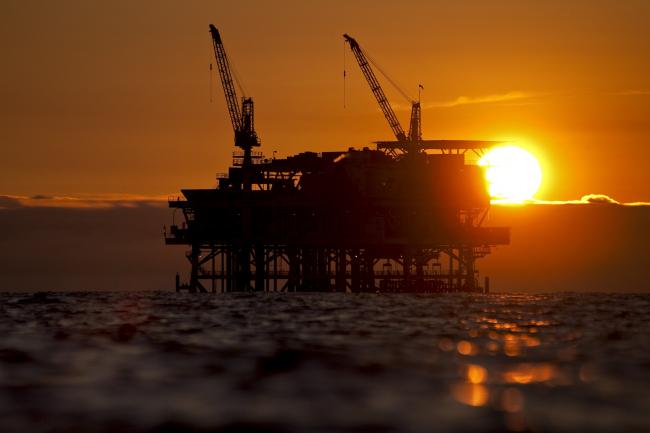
508, 359
512, 400
475, 374
467, 348
470, 394
528, 373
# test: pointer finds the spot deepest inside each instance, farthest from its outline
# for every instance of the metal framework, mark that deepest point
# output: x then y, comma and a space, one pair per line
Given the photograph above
376, 89
404, 143
339, 221
269, 268
242, 118
355, 220
228, 268
226, 79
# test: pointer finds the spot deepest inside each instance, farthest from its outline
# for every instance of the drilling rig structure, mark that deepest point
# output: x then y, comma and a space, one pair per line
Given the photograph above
404, 217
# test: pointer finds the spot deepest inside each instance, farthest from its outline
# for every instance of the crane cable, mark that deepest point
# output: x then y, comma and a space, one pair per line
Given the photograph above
344, 74
240, 83
390, 80
233, 70
210, 54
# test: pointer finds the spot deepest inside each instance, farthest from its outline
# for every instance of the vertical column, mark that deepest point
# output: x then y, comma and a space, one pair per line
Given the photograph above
419, 271
460, 271
213, 275
222, 254
321, 269
260, 267
229, 268
450, 282
355, 270
308, 269
369, 265
341, 266
275, 269
194, 274
407, 262
294, 269
243, 267
468, 258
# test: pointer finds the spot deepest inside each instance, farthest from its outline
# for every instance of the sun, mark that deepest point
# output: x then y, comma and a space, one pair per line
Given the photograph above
512, 173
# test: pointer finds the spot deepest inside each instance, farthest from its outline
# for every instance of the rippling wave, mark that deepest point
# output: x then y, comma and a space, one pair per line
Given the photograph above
162, 362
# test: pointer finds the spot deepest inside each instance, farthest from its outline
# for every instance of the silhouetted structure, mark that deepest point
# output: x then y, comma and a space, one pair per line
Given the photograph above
405, 217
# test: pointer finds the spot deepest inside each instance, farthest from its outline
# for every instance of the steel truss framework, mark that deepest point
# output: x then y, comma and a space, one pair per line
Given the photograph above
282, 268
405, 217
338, 222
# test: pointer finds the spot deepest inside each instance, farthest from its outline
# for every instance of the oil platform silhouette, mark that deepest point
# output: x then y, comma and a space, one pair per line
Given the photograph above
407, 216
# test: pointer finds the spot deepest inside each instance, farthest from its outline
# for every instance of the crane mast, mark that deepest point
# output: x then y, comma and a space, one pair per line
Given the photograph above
415, 133
415, 128
242, 118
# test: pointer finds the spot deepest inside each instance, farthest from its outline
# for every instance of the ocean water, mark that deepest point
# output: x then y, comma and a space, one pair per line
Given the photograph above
166, 362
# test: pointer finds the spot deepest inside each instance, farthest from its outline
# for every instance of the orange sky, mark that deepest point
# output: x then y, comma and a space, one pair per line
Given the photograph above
113, 96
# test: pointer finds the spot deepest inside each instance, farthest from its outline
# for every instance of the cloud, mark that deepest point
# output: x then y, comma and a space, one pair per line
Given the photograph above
9, 202
112, 201
487, 99
637, 92
82, 201
598, 198
514, 97
589, 199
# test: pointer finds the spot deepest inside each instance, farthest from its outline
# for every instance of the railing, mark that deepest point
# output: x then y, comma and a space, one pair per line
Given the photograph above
238, 158
283, 273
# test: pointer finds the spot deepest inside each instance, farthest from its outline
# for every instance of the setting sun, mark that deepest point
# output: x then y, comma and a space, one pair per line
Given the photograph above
512, 173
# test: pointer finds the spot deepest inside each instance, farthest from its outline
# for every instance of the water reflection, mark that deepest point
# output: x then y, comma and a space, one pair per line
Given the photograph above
324, 362
470, 394
588, 373
475, 374
492, 347
466, 348
528, 373
512, 400
446, 344
510, 358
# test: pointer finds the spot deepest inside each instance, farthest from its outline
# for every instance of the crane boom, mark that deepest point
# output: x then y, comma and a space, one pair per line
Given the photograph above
226, 80
389, 114
241, 116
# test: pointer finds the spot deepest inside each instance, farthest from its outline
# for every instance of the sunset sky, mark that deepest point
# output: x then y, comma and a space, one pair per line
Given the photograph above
106, 109
104, 97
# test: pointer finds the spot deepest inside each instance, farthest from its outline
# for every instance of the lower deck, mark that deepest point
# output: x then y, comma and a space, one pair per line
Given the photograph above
228, 268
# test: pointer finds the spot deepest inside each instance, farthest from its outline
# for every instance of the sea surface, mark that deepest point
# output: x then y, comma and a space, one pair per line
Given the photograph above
289, 362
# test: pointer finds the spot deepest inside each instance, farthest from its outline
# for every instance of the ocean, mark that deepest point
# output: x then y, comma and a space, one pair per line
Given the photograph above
294, 362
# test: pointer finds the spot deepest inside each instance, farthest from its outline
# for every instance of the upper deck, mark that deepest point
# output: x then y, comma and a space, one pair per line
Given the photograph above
354, 198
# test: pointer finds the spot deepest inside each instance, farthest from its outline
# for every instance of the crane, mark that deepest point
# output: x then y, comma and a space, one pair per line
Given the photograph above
405, 142
242, 116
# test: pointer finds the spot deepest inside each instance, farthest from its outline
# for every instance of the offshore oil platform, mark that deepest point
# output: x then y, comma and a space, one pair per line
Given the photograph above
404, 217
